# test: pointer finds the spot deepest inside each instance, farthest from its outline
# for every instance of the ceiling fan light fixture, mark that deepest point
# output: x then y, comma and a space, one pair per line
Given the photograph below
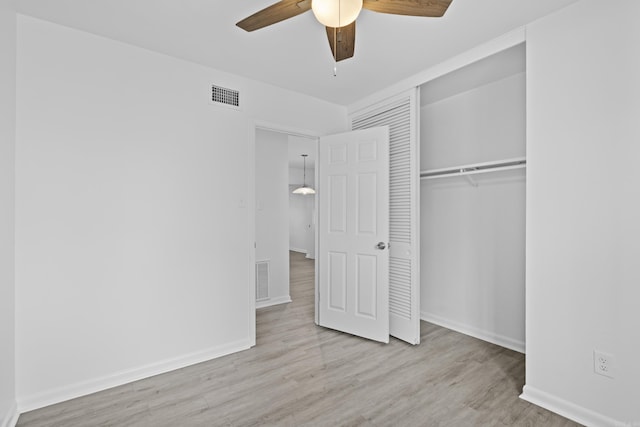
336, 13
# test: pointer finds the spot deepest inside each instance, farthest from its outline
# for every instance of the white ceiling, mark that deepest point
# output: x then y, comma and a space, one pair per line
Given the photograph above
295, 54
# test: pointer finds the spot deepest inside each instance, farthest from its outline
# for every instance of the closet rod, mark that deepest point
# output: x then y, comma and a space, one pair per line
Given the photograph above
477, 168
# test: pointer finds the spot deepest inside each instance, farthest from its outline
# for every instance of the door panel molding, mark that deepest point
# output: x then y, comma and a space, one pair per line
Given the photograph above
353, 206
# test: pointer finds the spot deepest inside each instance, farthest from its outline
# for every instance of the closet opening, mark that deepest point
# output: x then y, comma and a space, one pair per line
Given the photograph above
473, 186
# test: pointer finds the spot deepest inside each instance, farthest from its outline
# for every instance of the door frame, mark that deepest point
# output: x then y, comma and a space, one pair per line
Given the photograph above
250, 203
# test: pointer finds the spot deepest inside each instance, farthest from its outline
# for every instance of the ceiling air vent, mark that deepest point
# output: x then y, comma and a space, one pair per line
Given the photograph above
223, 96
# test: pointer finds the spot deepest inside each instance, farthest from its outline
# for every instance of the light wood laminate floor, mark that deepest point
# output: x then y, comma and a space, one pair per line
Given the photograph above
301, 374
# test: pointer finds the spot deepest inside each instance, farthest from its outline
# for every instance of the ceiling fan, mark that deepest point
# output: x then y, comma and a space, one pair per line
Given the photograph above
339, 16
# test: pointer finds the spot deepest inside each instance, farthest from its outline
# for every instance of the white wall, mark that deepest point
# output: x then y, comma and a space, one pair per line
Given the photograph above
296, 176
132, 241
473, 238
272, 207
7, 204
583, 210
480, 125
301, 214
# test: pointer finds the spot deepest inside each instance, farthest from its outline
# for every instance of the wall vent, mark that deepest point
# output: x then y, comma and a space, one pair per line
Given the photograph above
262, 280
223, 96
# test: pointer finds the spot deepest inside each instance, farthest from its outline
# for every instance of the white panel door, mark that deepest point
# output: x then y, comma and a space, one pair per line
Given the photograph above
353, 233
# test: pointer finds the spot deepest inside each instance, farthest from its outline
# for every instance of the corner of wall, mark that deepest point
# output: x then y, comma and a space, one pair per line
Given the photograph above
273, 301
72, 391
475, 332
8, 411
10, 419
567, 409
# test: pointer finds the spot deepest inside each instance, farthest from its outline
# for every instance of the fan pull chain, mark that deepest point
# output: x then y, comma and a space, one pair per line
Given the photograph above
335, 40
335, 52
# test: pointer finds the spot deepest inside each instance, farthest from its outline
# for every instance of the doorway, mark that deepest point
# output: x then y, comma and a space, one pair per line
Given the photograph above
279, 221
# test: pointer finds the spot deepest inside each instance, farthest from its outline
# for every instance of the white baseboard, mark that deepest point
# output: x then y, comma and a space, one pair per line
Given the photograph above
302, 251
61, 394
310, 257
481, 334
570, 410
10, 419
273, 301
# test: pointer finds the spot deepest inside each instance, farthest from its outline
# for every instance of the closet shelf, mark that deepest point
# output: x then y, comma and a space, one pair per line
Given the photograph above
476, 168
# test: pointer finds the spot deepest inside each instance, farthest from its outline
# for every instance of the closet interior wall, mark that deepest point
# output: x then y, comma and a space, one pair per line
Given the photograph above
473, 228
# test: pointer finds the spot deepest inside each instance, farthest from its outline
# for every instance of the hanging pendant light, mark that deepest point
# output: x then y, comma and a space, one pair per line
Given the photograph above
304, 190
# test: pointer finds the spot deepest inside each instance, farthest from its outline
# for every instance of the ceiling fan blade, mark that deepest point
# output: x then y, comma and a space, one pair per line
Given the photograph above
429, 8
346, 41
277, 12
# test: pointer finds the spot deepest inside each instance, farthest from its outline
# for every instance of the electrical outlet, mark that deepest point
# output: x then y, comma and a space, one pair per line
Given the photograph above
603, 363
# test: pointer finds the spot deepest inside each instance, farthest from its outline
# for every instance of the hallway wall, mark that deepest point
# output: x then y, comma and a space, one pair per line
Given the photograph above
7, 206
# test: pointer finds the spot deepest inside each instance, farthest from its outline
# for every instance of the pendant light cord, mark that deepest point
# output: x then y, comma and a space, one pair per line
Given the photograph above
304, 190
304, 171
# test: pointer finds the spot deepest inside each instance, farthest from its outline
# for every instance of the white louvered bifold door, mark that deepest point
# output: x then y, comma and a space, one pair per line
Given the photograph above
401, 115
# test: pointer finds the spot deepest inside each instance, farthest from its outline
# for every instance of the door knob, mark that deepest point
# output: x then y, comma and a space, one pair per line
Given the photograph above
381, 246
